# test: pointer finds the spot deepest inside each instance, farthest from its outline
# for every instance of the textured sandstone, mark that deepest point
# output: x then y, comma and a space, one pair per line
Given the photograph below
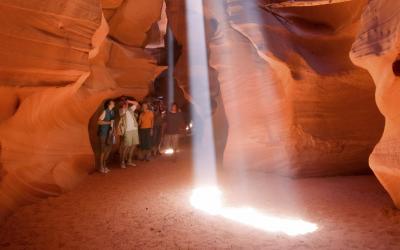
58, 36
376, 48
295, 103
57, 67
133, 19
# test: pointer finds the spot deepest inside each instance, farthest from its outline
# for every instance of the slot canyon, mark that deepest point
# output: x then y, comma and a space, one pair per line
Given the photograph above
274, 124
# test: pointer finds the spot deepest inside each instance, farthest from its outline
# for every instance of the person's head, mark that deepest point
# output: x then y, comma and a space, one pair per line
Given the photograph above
162, 107
145, 107
123, 105
155, 107
109, 104
174, 108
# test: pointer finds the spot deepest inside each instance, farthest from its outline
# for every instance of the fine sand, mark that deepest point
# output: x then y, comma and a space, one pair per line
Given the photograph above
147, 207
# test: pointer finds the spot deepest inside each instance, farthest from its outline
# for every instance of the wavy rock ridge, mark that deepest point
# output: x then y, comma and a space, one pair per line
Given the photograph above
60, 61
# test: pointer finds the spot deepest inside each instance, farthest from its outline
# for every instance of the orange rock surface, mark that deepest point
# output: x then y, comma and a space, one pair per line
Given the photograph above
376, 49
57, 66
295, 103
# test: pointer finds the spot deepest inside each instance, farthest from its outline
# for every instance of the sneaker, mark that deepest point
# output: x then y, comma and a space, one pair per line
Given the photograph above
123, 165
106, 170
132, 164
103, 171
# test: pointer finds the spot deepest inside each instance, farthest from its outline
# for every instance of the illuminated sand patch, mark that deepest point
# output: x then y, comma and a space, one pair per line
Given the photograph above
209, 200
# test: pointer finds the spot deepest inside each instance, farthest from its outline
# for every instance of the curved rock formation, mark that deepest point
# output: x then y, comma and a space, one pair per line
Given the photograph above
295, 103
377, 49
57, 67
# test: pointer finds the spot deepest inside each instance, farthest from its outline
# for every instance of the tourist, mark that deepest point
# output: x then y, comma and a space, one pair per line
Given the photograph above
146, 123
157, 130
123, 105
174, 123
106, 134
128, 129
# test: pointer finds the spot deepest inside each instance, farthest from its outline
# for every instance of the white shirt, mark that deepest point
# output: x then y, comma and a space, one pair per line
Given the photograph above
131, 123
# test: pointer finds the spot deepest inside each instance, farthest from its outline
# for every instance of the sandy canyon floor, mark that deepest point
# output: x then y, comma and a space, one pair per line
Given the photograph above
148, 207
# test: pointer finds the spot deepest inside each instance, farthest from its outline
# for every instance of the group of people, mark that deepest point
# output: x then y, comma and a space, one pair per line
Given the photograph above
141, 129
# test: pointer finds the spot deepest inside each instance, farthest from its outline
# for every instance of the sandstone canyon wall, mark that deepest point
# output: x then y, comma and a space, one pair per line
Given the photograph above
295, 103
60, 60
377, 49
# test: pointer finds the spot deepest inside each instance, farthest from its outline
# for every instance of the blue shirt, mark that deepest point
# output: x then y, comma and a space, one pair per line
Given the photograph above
105, 128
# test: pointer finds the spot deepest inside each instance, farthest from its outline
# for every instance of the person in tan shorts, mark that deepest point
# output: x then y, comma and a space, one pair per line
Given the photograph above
129, 130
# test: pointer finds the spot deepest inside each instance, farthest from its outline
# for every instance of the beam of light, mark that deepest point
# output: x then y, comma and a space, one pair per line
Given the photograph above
207, 197
204, 159
171, 68
209, 200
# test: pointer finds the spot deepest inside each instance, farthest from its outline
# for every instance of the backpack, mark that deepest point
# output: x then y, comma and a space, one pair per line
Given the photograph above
121, 127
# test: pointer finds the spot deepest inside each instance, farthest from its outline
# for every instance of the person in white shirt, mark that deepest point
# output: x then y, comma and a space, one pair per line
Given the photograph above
128, 129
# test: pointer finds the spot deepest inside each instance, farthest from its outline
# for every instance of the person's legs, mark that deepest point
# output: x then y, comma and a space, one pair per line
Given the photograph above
167, 142
141, 146
156, 140
125, 152
130, 143
101, 167
121, 146
124, 156
162, 140
147, 144
175, 142
130, 156
106, 156
102, 154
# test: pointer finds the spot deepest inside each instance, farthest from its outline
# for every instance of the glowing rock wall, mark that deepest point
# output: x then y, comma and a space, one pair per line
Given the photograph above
295, 103
376, 49
58, 64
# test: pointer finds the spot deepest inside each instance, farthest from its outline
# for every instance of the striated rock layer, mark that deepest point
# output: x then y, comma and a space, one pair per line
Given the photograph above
58, 65
377, 49
295, 103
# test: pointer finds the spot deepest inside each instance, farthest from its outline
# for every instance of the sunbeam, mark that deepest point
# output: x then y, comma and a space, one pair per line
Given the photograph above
171, 67
209, 200
203, 143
